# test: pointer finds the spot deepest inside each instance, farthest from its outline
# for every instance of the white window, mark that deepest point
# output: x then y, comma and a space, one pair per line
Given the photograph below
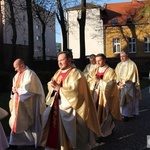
38, 38
146, 44
37, 26
116, 45
132, 45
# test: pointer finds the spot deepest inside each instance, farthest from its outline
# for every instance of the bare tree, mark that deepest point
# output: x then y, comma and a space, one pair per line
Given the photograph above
13, 25
30, 32
82, 21
61, 6
43, 11
62, 21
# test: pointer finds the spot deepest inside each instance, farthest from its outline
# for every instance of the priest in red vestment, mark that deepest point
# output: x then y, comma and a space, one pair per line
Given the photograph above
70, 119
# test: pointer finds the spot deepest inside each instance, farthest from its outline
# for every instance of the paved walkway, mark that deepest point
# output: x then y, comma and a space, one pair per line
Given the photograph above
131, 135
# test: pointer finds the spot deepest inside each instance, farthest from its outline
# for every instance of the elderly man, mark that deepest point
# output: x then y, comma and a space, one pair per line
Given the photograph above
106, 95
26, 106
129, 85
90, 66
70, 118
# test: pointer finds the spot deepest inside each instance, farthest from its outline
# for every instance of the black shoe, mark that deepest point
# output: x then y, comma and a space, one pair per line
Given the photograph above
125, 119
98, 140
12, 147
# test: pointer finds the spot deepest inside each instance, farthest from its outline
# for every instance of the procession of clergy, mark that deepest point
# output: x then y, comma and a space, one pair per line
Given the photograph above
80, 108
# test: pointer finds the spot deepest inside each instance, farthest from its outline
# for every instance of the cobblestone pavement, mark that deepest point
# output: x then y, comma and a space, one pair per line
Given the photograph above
131, 135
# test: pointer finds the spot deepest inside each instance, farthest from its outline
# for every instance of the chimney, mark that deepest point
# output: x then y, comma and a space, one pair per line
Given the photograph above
134, 1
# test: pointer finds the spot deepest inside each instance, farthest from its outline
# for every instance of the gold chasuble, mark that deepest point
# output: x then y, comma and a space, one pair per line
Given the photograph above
77, 119
106, 97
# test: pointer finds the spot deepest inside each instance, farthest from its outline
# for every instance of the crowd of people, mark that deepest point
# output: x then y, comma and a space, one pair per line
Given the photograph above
80, 108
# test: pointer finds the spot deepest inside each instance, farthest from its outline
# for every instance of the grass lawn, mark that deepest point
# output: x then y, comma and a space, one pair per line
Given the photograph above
5, 97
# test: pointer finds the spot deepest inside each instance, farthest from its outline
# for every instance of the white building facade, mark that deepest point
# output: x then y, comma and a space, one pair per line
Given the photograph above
94, 34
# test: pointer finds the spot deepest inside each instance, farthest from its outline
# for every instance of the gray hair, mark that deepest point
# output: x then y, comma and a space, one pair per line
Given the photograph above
124, 52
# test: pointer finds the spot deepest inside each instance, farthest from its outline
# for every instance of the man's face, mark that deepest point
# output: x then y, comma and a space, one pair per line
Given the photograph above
100, 61
92, 61
18, 67
123, 57
63, 62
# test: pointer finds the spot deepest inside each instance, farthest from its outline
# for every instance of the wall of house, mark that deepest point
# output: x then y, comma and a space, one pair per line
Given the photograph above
93, 32
122, 32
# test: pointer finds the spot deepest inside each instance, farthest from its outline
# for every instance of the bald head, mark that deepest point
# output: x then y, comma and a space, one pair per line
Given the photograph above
19, 65
18, 61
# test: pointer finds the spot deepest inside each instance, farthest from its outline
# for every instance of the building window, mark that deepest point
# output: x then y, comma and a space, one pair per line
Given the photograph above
24, 30
37, 26
132, 45
24, 18
38, 49
25, 42
146, 44
116, 45
114, 21
38, 38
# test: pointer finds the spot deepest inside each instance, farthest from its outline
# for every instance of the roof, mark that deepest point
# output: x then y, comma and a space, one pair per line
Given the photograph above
119, 13
88, 6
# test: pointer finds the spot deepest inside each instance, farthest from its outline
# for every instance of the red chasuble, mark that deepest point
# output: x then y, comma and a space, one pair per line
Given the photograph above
53, 136
100, 74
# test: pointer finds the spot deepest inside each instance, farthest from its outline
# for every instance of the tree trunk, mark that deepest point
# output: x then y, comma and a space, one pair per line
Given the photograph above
14, 36
30, 33
82, 22
62, 22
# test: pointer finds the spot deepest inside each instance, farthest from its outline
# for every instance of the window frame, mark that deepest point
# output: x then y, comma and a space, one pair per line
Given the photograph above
37, 27
147, 42
38, 37
116, 44
132, 45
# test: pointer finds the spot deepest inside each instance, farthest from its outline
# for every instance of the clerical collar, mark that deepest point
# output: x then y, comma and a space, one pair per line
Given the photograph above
63, 71
124, 62
93, 64
102, 69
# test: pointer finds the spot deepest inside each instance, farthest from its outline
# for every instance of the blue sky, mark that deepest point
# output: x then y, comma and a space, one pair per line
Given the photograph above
58, 31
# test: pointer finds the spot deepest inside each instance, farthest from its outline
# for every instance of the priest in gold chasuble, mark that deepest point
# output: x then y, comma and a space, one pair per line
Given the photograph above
104, 89
70, 120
